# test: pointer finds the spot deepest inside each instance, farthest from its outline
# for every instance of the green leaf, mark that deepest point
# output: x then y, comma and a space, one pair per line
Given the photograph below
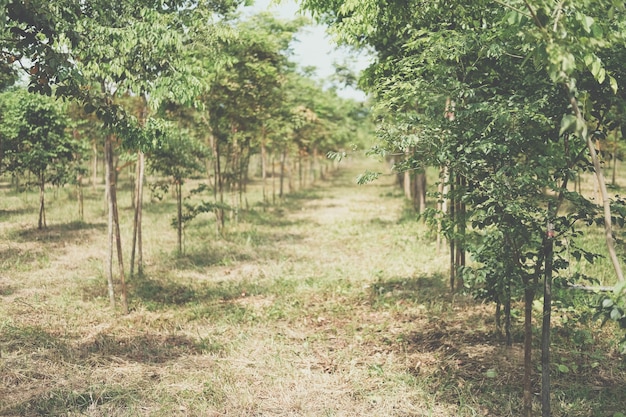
613, 83
567, 122
616, 314
562, 368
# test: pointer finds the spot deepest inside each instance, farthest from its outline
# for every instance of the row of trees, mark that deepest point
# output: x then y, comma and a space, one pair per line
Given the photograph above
508, 98
186, 86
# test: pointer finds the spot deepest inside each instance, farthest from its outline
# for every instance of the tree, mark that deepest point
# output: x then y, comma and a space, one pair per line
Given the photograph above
509, 140
36, 138
177, 156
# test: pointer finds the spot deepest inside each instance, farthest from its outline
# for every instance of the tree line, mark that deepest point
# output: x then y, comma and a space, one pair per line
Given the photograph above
510, 101
172, 88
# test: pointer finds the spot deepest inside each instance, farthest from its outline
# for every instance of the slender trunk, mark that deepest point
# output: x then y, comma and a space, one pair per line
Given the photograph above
94, 165
452, 207
313, 163
138, 205
610, 243
179, 223
273, 179
140, 182
545, 327
498, 317
218, 192
300, 173
420, 192
108, 151
406, 184
529, 296
507, 311
42, 205
132, 179
460, 244
283, 157
291, 169
441, 205
114, 216
264, 167
614, 171
81, 200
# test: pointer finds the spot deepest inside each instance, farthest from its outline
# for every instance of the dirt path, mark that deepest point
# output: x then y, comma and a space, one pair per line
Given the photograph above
304, 310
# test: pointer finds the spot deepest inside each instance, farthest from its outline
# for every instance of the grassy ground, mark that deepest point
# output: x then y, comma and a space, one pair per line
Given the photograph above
331, 304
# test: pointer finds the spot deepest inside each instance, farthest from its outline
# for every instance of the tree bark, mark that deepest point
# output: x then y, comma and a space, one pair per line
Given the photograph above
264, 167
218, 190
94, 165
179, 211
452, 207
41, 224
108, 154
80, 196
138, 205
114, 216
406, 184
529, 296
545, 327
281, 188
610, 242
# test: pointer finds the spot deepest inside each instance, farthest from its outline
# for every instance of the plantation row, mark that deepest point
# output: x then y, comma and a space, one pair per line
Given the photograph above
510, 102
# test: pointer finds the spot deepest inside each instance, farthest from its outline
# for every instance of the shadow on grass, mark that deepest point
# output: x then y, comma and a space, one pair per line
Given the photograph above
32, 354
7, 214
57, 233
467, 366
142, 348
418, 289
75, 402
163, 293
17, 258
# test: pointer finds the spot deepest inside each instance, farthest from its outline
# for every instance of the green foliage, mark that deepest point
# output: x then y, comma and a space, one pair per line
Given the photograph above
35, 137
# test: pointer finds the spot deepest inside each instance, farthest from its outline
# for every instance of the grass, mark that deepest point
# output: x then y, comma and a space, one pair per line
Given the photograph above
333, 303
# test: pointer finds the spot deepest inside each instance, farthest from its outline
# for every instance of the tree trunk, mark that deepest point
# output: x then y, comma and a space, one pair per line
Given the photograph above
314, 157
109, 260
441, 205
283, 157
300, 171
138, 205
507, 310
264, 168
419, 195
94, 165
529, 296
179, 211
406, 184
452, 207
114, 216
545, 327
80, 196
460, 240
41, 224
273, 179
140, 213
610, 243
218, 190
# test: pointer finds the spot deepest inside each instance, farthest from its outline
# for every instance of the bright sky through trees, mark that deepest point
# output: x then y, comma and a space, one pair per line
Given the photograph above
314, 47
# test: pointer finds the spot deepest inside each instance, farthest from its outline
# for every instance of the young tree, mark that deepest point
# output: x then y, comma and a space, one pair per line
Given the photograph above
508, 141
177, 156
36, 138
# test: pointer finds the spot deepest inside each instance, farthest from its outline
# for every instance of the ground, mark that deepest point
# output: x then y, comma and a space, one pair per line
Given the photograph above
332, 303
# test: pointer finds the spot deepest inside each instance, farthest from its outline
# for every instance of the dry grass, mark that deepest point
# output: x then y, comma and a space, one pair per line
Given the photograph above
328, 305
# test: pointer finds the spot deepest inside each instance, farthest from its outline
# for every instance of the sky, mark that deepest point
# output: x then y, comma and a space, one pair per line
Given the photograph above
314, 47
